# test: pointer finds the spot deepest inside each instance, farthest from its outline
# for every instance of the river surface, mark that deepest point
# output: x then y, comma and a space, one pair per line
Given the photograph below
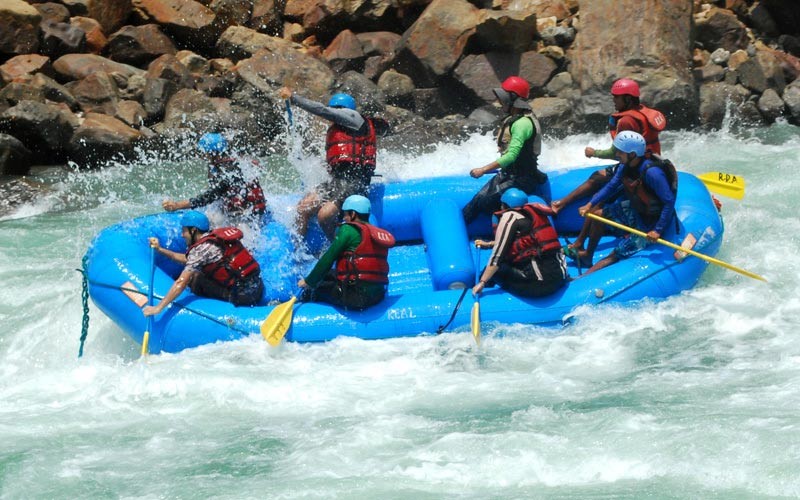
697, 396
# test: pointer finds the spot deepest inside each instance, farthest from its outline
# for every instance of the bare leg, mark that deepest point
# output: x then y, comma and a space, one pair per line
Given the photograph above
596, 231
589, 187
326, 216
305, 209
611, 259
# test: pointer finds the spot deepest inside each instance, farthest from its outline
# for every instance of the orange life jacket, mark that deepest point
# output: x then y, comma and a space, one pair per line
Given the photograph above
642, 198
368, 261
651, 122
236, 263
542, 239
343, 148
240, 198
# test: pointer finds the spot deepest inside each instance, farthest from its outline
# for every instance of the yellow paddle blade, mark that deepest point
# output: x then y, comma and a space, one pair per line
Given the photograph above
475, 322
677, 247
145, 343
278, 322
730, 185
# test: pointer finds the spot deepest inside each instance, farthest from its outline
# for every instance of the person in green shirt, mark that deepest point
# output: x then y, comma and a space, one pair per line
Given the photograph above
519, 141
359, 252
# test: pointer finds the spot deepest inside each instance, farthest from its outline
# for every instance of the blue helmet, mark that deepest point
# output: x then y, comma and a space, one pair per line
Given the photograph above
342, 101
357, 203
193, 218
629, 141
212, 143
514, 197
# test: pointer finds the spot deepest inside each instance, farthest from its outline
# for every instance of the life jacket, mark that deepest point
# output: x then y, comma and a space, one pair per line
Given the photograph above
236, 263
643, 198
527, 161
344, 148
542, 238
651, 122
367, 262
239, 198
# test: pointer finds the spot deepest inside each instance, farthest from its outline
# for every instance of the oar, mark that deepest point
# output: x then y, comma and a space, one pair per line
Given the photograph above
289, 116
475, 314
677, 247
146, 336
730, 185
278, 322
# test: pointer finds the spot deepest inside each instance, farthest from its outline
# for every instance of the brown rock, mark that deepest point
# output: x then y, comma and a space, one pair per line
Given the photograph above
97, 93
157, 93
111, 14
101, 138
511, 31
95, 38
43, 128
137, 45
720, 28
61, 38
130, 113
16, 92
15, 158
23, 65
79, 66
189, 108
169, 68
238, 42
433, 45
267, 71
266, 17
195, 63
189, 22
53, 12
54, 91
383, 43
345, 53
481, 73
19, 27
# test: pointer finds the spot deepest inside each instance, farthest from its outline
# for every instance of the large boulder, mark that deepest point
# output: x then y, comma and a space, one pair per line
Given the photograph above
719, 28
138, 45
19, 27
505, 30
79, 66
101, 138
15, 158
269, 70
481, 73
97, 93
23, 65
111, 14
238, 42
434, 44
43, 128
189, 22
607, 47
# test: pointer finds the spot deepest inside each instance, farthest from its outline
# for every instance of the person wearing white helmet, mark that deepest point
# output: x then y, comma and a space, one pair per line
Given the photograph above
649, 189
240, 195
526, 255
354, 271
351, 147
216, 265
519, 141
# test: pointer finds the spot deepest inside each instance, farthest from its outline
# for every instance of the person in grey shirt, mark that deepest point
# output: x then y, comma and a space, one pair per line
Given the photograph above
350, 153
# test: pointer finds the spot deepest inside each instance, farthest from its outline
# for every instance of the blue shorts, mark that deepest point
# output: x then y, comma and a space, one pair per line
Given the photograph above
622, 212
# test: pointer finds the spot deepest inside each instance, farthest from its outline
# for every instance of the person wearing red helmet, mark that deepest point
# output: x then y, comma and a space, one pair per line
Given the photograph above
519, 141
631, 115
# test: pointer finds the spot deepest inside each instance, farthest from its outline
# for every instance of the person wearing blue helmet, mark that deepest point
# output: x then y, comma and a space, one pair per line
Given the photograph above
239, 193
350, 154
647, 203
354, 271
216, 265
526, 259
519, 141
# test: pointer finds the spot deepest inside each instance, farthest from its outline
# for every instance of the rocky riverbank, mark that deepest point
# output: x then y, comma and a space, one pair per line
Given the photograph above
84, 81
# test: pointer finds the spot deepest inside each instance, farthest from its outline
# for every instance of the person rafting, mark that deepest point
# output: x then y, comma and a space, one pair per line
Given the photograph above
351, 146
216, 265
629, 114
242, 198
519, 140
359, 251
649, 185
526, 259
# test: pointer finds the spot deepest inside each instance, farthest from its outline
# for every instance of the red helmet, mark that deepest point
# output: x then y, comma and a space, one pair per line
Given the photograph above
517, 85
625, 86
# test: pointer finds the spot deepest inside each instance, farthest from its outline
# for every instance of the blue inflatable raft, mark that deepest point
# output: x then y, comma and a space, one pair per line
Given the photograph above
434, 260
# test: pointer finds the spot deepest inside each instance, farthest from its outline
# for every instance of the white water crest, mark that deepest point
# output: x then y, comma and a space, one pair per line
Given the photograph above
695, 396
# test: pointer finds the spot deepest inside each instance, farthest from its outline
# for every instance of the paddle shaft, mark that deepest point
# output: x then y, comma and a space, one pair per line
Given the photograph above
677, 247
146, 336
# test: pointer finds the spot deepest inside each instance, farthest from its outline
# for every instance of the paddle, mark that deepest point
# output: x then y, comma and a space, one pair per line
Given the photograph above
475, 314
677, 247
729, 185
278, 322
146, 336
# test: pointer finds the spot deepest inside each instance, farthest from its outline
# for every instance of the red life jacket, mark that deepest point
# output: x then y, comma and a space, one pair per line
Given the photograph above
541, 240
651, 122
368, 261
236, 263
642, 198
344, 148
237, 198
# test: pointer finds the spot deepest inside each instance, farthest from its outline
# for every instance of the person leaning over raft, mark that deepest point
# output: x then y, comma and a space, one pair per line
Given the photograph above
350, 151
630, 115
519, 141
526, 255
648, 203
241, 198
217, 265
359, 250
